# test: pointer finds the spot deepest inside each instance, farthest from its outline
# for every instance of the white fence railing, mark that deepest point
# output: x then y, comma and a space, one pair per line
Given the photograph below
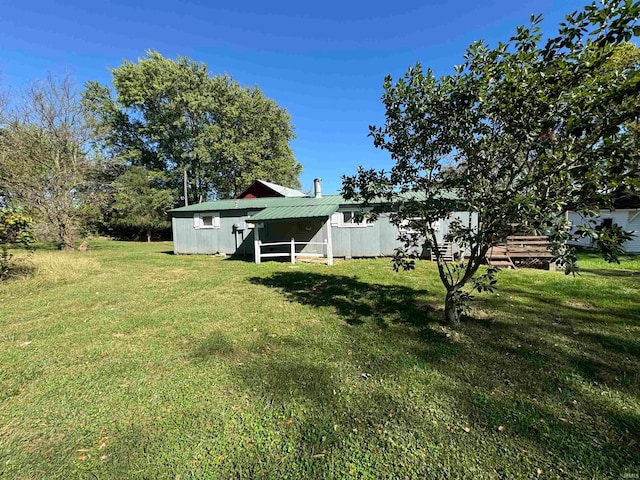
291, 253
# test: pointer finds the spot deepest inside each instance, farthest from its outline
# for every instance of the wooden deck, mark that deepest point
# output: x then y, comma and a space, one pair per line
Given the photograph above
521, 250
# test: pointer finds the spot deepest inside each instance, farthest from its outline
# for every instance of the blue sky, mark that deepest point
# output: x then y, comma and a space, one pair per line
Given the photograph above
323, 61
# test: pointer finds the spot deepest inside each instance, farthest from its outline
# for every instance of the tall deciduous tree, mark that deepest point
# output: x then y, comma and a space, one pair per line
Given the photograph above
142, 201
209, 133
519, 133
249, 141
44, 164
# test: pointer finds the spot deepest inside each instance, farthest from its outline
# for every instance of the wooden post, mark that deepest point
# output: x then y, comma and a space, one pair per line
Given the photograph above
293, 250
256, 243
329, 243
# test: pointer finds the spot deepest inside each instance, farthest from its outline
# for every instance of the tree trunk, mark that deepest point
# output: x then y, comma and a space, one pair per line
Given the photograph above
452, 310
67, 237
148, 235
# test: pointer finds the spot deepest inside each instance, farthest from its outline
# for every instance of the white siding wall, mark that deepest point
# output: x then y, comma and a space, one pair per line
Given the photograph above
627, 219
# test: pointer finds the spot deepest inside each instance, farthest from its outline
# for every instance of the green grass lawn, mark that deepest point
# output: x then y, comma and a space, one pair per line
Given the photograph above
129, 362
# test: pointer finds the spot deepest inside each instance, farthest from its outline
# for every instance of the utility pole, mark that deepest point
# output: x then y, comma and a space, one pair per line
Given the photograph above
184, 183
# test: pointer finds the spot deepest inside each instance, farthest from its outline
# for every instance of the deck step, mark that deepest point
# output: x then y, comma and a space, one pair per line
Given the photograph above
446, 252
498, 256
501, 263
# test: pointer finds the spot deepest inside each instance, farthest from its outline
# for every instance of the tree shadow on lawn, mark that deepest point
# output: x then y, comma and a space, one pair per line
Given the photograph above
632, 275
354, 301
577, 307
600, 344
528, 373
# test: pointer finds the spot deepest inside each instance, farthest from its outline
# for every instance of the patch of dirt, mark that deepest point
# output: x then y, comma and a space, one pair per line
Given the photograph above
577, 305
317, 260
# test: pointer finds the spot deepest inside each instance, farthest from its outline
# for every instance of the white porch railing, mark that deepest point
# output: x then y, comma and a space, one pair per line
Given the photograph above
292, 254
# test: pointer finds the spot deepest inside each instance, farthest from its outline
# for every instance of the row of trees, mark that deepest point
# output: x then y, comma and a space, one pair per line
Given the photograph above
113, 162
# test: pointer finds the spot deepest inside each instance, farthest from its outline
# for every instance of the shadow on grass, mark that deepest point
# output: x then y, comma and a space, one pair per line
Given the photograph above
240, 258
555, 387
610, 272
567, 427
576, 307
575, 337
353, 300
315, 400
41, 247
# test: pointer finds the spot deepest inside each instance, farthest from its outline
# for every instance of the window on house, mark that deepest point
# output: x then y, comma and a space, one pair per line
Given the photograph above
348, 219
606, 223
206, 220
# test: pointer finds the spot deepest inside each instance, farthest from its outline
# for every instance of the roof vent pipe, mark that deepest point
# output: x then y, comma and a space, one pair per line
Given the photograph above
317, 188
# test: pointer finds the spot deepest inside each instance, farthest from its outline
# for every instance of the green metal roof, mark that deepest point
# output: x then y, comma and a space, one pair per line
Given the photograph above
286, 213
259, 203
266, 202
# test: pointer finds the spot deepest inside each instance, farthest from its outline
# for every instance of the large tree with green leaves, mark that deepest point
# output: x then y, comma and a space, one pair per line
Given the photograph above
45, 163
520, 133
250, 140
141, 201
211, 135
